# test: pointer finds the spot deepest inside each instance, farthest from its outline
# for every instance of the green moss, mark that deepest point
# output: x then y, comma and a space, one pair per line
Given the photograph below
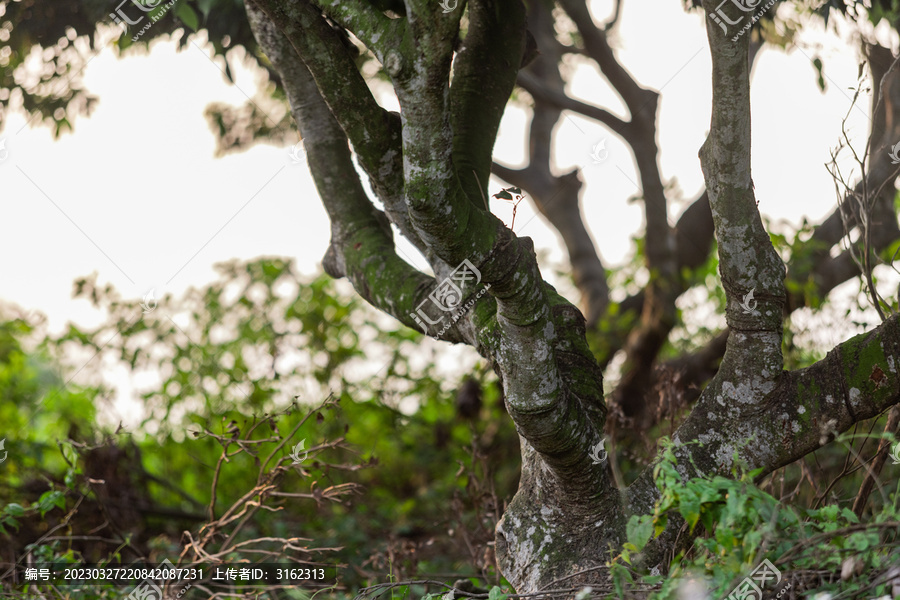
866, 367
808, 394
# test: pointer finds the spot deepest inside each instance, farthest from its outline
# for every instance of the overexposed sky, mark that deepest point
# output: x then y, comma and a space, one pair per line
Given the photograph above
135, 194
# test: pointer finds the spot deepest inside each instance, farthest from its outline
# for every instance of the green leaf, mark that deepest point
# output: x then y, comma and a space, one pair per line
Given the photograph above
205, 6
621, 575
496, 594
829, 512
752, 475
187, 15
690, 506
8, 522
639, 530
661, 522
15, 510
49, 500
849, 515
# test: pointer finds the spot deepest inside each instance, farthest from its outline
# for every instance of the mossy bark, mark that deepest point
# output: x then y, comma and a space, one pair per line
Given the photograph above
567, 515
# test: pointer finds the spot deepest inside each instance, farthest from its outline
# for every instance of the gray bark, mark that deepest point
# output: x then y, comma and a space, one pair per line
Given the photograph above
567, 514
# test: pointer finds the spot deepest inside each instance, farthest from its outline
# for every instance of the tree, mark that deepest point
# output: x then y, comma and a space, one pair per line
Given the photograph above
453, 69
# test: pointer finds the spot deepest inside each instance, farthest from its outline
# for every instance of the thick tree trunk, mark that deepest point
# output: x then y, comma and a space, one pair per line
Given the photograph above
567, 514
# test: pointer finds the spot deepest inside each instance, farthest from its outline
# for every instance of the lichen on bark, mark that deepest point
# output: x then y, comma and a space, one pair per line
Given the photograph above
429, 167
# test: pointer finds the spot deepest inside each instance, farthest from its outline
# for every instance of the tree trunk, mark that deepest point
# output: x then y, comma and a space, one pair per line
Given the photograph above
429, 169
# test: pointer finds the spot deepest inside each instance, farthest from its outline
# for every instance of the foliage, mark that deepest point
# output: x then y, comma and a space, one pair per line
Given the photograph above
228, 366
744, 525
219, 390
66, 33
412, 454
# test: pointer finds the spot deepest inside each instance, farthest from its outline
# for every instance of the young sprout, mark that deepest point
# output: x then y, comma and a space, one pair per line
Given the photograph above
514, 195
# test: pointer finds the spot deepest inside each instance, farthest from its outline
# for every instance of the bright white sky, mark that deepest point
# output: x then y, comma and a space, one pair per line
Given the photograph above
136, 195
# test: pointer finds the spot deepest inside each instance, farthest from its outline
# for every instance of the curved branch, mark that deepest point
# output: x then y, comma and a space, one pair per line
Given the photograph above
534, 338
750, 268
373, 131
556, 97
659, 313
615, 17
824, 271
557, 199
371, 26
640, 102
813, 265
482, 82
362, 247
795, 414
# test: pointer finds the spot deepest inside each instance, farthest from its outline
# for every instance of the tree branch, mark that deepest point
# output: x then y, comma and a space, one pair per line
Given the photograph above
750, 268
362, 247
891, 427
371, 26
557, 198
484, 73
373, 131
659, 314
641, 102
787, 418
539, 91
